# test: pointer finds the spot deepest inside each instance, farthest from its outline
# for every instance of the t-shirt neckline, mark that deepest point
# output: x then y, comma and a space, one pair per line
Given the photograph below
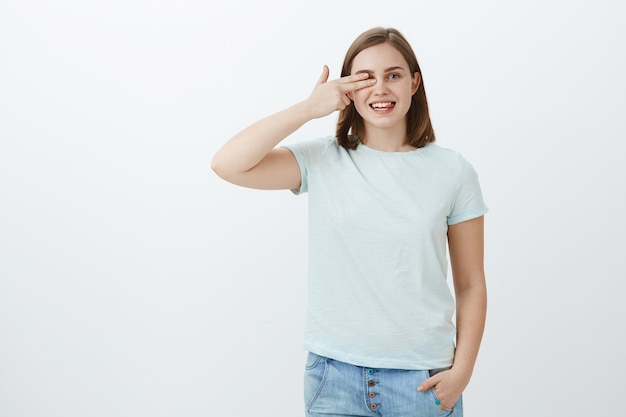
367, 149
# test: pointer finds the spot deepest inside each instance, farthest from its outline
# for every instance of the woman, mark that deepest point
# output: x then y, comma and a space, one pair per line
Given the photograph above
384, 203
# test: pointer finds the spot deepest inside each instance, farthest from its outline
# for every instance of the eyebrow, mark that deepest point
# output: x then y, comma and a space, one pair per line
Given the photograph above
386, 70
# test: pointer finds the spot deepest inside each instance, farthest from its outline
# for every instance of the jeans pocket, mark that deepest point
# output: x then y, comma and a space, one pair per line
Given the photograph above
443, 410
315, 373
312, 360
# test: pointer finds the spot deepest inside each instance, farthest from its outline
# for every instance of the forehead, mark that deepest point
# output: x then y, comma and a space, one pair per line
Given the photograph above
378, 57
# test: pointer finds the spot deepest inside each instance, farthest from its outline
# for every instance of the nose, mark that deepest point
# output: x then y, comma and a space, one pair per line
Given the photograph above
379, 88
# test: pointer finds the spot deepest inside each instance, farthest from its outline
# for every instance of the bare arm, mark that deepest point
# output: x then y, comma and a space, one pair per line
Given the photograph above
466, 243
251, 159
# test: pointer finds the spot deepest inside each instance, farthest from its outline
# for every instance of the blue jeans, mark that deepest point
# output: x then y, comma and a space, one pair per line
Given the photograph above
337, 389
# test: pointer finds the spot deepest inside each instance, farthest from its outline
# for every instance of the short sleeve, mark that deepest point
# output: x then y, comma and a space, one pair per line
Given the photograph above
468, 203
306, 154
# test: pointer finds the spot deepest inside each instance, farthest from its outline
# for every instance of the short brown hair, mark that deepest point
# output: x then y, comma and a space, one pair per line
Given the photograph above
419, 130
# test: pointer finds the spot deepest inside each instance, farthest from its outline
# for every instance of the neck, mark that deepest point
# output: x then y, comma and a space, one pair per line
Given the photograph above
387, 140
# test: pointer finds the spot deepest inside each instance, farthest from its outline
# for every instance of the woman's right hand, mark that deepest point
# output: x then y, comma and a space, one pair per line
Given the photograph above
330, 96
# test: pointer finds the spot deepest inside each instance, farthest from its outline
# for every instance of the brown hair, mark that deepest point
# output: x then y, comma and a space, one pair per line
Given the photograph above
419, 130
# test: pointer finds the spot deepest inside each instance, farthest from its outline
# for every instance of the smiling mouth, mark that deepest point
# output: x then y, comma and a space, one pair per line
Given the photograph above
383, 106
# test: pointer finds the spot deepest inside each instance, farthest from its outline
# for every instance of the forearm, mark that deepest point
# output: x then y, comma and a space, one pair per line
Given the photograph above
470, 322
248, 147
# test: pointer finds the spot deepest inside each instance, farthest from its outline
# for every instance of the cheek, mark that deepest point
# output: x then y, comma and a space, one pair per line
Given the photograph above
359, 97
360, 106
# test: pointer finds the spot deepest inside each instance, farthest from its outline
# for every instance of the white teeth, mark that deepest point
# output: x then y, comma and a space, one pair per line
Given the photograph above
382, 105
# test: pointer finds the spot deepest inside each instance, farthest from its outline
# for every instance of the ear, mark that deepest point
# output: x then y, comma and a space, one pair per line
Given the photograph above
417, 80
349, 94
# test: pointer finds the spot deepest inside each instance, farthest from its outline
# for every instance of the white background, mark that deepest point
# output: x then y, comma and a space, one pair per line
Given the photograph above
134, 282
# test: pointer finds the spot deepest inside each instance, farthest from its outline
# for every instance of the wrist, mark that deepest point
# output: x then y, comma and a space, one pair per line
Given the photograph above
462, 369
304, 111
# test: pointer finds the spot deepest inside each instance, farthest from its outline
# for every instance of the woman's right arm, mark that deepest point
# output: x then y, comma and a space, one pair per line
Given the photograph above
251, 159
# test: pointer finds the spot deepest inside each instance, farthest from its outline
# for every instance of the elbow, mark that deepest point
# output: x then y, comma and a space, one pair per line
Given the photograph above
216, 166
224, 169
219, 167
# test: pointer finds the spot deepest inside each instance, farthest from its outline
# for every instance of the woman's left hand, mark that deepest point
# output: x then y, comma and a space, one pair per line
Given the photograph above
448, 386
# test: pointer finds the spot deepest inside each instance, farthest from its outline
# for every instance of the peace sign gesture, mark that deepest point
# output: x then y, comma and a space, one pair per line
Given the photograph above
329, 96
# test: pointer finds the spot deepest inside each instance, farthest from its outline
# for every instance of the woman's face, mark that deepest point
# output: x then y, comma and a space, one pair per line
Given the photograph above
385, 104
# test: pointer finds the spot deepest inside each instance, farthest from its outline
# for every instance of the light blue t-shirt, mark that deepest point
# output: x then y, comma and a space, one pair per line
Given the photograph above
378, 221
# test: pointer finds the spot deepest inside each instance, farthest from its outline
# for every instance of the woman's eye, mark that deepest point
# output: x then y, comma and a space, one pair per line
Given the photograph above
394, 76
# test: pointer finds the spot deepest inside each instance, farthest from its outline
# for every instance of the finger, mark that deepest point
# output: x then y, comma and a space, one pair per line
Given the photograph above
354, 78
356, 85
428, 384
324, 76
363, 84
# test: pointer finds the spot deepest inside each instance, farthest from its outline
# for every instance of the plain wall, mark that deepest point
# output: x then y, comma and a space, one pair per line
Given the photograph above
134, 282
